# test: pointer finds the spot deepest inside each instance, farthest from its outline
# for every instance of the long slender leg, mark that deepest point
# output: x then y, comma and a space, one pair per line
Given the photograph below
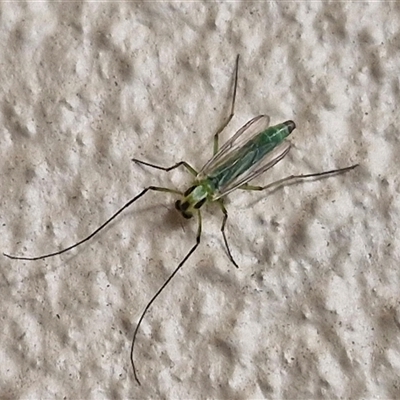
232, 113
286, 181
142, 193
180, 265
183, 163
224, 210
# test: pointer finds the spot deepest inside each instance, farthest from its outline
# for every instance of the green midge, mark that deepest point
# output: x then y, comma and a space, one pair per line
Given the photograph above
203, 191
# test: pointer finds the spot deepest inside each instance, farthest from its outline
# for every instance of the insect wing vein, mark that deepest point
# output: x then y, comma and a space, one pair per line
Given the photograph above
267, 162
238, 140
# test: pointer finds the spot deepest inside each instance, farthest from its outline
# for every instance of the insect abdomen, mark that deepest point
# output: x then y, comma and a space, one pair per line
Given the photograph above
275, 134
251, 153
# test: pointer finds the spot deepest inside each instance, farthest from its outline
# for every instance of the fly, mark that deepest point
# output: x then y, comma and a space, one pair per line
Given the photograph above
253, 149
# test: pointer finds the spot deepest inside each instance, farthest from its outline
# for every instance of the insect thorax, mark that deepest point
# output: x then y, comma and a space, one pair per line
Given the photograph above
195, 197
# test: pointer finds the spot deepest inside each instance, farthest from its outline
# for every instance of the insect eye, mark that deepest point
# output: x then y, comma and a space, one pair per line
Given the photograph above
187, 215
181, 206
184, 206
199, 204
190, 190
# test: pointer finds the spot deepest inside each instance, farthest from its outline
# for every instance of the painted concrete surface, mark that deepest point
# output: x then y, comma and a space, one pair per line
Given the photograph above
313, 311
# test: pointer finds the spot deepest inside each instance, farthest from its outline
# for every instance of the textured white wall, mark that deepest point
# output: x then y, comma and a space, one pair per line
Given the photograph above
313, 311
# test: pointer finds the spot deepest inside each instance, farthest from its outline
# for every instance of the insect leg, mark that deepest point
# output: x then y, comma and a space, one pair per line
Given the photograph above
230, 116
142, 193
183, 163
224, 210
180, 265
294, 178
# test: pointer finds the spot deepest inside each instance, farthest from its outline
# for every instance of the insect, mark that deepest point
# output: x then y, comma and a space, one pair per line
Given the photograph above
251, 151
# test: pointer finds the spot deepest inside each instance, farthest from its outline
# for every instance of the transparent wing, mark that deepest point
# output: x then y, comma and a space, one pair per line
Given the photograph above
276, 155
240, 138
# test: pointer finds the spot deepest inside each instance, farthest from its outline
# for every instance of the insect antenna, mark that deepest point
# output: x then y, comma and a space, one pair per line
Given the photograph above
180, 265
130, 202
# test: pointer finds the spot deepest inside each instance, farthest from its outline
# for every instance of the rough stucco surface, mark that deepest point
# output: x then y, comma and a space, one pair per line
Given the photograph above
313, 311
